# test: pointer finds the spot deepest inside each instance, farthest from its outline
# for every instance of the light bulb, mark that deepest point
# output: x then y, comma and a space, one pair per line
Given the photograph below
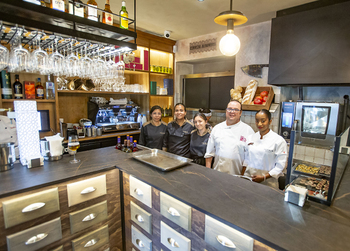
229, 44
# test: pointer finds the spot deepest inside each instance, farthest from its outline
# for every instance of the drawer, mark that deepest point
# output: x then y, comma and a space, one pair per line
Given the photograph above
92, 241
172, 239
140, 240
35, 237
87, 217
60, 248
86, 190
30, 207
176, 211
141, 217
223, 237
141, 191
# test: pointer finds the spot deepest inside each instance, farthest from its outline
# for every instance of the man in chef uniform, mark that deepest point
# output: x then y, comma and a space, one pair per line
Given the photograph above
227, 140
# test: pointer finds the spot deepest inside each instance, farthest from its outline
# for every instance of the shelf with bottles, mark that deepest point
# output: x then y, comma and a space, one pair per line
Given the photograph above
99, 92
37, 100
161, 62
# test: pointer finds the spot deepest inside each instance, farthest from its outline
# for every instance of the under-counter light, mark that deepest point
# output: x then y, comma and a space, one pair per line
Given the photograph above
230, 44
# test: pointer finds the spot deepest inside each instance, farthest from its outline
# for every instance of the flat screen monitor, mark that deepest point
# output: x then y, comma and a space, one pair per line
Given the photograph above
287, 119
315, 121
44, 116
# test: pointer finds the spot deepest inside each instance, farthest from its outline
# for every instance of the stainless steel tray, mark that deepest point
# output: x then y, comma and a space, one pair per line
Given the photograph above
160, 159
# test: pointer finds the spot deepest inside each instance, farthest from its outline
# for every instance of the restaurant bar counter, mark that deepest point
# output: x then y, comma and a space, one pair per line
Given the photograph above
152, 210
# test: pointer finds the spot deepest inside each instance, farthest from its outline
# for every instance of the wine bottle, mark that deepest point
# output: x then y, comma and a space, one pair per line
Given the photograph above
50, 89
124, 146
78, 9
39, 90
6, 91
119, 144
124, 23
92, 10
57, 5
128, 149
18, 88
107, 16
131, 142
135, 149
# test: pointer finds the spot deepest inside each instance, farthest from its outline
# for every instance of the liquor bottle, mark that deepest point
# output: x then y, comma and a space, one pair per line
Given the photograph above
39, 90
131, 144
78, 9
135, 149
107, 16
50, 89
57, 5
92, 10
165, 112
119, 144
37, 2
170, 111
18, 88
6, 91
128, 149
124, 23
124, 146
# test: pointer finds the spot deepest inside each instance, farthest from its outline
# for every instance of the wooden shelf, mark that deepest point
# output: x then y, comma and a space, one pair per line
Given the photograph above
128, 71
161, 74
101, 92
37, 100
162, 95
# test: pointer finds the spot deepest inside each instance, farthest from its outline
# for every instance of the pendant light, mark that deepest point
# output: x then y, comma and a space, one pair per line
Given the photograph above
229, 44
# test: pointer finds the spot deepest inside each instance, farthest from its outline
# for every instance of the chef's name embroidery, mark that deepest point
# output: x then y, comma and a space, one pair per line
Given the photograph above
185, 131
243, 139
204, 143
162, 132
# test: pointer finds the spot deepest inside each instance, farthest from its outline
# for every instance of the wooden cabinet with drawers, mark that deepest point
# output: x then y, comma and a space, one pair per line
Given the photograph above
84, 214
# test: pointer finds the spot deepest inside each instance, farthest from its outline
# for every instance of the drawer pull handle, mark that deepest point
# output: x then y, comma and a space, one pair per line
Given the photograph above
32, 207
91, 242
139, 218
88, 190
139, 243
90, 217
173, 212
173, 243
226, 242
138, 192
36, 238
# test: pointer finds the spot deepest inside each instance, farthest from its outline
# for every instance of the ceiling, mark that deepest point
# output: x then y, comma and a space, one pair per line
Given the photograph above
191, 18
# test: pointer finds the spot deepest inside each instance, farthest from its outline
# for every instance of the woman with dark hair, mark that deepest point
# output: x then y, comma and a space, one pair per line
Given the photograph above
208, 115
265, 152
152, 132
178, 133
199, 139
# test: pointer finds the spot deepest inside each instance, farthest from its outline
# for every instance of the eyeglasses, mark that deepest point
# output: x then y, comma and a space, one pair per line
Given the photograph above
232, 110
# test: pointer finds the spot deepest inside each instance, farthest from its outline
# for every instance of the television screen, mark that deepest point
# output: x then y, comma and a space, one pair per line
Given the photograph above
287, 119
315, 120
44, 116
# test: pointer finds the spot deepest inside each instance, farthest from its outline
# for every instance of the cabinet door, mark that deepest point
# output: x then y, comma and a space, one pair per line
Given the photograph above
196, 92
220, 92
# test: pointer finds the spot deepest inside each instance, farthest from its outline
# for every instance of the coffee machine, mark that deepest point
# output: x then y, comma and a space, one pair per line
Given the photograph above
113, 118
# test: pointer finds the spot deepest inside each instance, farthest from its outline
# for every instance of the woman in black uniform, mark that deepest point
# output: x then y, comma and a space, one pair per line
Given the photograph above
153, 131
199, 139
178, 133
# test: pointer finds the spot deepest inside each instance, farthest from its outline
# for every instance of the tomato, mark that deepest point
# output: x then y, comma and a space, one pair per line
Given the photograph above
257, 101
264, 98
264, 93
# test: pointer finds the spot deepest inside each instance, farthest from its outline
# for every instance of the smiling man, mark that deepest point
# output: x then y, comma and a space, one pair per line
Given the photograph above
227, 141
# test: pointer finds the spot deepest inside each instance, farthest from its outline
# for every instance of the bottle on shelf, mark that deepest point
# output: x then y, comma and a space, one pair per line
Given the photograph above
6, 91
107, 16
131, 142
92, 10
57, 5
119, 144
128, 149
39, 90
165, 112
144, 119
135, 149
124, 23
18, 88
78, 9
37, 2
170, 111
50, 89
124, 146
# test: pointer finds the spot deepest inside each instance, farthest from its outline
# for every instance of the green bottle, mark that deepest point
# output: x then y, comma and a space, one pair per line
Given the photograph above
124, 23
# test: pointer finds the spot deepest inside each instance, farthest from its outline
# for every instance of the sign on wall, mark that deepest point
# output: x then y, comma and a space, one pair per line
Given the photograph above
203, 46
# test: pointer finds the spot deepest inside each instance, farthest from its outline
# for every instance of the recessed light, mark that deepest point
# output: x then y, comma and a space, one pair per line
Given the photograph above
200, 0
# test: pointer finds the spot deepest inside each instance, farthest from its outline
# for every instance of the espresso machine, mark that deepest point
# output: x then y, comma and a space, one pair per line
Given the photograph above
113, 118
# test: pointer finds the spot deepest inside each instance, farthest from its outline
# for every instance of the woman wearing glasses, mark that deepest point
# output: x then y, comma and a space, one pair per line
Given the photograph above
178, 133
199, 139
265, 153
152, 132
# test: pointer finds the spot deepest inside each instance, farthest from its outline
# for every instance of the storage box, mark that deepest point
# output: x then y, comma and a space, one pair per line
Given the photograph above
29, 88
153, 88
169, 84
252, 107
295, 195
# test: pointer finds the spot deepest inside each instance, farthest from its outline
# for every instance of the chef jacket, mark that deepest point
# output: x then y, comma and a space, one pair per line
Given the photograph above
198, 146
151, 135
177, 138
226, 144
266, 155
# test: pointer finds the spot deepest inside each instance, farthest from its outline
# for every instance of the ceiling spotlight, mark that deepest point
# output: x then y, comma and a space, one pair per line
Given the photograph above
229, 44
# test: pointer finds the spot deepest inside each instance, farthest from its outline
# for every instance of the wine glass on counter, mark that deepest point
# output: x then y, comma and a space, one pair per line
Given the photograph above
73, 145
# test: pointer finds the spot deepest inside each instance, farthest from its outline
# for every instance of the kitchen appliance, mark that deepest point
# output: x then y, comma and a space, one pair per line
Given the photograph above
7, 156
113, 118
312, 121
51, 154
254, 70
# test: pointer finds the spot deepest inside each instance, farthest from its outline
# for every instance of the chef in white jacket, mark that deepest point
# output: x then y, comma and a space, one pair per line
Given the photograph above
265, 153
227, 141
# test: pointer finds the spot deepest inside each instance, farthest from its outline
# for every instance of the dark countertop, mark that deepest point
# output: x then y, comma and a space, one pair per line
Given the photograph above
254, 209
